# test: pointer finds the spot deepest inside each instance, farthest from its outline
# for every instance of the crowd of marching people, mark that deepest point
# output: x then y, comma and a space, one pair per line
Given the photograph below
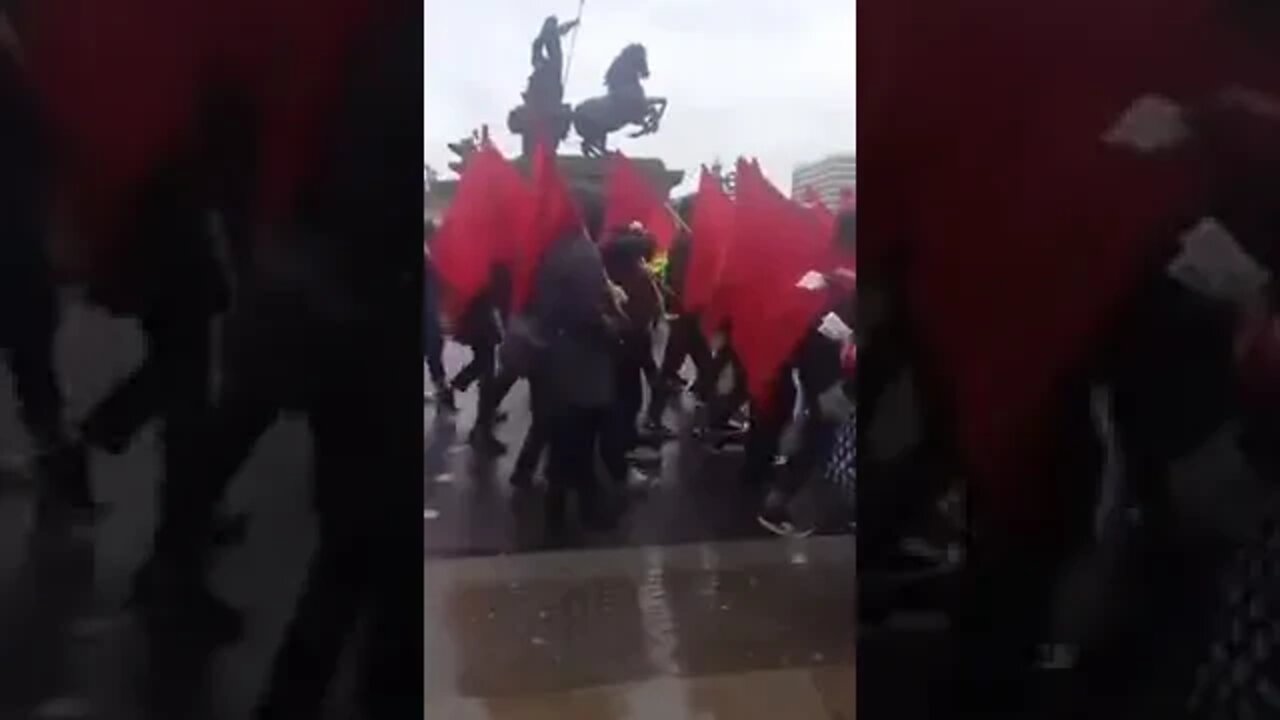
618, 272
1090, 324
190, 200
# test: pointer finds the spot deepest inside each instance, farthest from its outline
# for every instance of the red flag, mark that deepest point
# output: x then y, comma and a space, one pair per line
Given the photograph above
630, 197
777, 242
712, 234
1015, 270
552, 215
122, 85
819, 209
486, 216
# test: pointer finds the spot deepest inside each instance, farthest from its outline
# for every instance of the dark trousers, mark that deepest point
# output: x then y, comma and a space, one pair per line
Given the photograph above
479, 369
891, 495
29, 345
764, 438
817, 434
722, 407
433, 354
535, 439
684, 341
28, 341
629, 376
353, 572
492, 393
572, 438
1007, 604
242, 414
174, 383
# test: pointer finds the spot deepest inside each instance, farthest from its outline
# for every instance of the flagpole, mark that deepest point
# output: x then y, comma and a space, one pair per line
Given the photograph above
573, 43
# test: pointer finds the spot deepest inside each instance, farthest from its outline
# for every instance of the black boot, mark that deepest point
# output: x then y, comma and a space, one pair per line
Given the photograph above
446, 399
65, 492
180, 600
485, 443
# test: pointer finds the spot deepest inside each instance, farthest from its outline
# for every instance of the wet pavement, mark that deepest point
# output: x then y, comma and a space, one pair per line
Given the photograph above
693, 496
67, 648
689, 610
743, 629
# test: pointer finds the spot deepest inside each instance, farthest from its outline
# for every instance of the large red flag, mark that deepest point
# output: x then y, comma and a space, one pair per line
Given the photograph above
487, 215
769, 314
630, 197
552, 215
741, 254
712, 233
122, 84
819, 209
1021, 241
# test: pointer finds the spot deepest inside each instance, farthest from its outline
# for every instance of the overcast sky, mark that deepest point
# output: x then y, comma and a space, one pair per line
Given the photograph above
770, 78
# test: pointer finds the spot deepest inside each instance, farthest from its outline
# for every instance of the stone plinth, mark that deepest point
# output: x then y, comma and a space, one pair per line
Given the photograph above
588, 174
582, 174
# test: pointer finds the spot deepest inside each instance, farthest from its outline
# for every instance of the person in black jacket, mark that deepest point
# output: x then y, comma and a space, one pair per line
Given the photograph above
684, 340
480, 328
625, 257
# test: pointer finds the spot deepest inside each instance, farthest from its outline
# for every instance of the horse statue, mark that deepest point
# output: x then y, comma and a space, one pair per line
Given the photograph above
625, 104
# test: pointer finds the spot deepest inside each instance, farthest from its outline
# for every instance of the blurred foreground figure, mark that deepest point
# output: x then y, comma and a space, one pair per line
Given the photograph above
29, 307
1155, 129
323, 221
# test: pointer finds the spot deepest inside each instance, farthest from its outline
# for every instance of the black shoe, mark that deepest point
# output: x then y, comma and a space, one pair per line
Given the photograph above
646, 457
657, 432
486, 444
65, 492
779, 522
446, 400
726, 442
521, 480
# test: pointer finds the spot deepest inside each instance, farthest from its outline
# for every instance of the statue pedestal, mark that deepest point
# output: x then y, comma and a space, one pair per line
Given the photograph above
582, 174
588, 174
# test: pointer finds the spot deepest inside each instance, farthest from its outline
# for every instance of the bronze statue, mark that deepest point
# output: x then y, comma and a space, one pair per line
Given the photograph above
625, 104
544, 116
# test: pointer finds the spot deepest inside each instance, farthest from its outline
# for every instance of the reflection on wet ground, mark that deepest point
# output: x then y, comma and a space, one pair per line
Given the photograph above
740, 629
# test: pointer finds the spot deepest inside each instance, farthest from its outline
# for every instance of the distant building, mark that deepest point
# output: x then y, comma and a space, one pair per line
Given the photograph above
827, 177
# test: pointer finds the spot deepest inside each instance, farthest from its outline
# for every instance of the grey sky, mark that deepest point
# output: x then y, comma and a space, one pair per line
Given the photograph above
770, 78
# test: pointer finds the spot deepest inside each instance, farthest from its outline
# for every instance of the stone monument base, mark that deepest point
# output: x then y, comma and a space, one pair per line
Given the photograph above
588, 174
583, 175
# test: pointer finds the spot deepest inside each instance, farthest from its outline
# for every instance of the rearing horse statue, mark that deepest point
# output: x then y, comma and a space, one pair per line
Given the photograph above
625, 104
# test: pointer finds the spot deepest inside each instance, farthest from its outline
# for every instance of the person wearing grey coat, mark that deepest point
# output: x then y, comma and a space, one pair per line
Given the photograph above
572, 378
